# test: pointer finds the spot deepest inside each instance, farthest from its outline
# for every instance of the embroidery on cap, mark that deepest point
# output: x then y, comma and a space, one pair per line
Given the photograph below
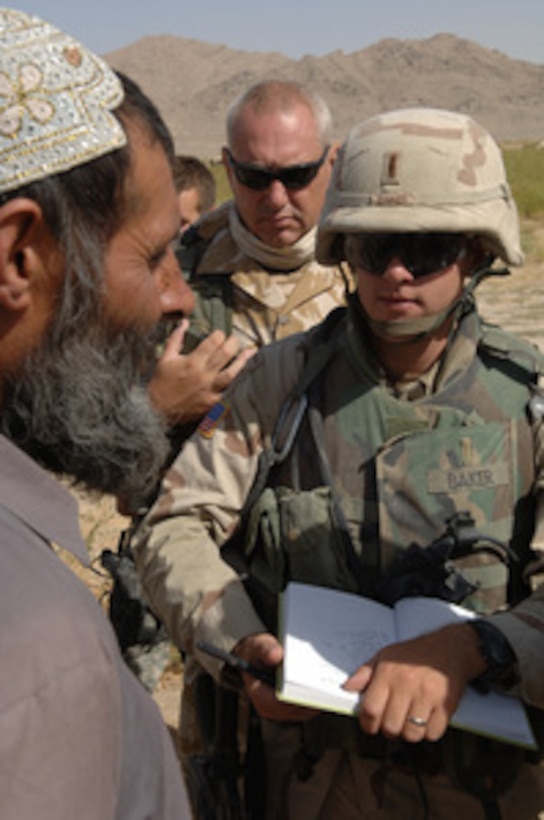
209, 423
19, 100
57, 102
73, 56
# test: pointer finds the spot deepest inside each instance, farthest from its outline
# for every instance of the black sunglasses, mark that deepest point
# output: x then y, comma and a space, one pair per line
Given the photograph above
420, 253
292, 177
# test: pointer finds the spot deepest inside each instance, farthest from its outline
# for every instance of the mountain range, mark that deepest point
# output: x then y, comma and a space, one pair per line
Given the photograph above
193, 83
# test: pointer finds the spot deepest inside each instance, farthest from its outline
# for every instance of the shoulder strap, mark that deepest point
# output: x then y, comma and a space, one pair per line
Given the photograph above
508, 347
190, 251
322, 347
214, 291
498, 342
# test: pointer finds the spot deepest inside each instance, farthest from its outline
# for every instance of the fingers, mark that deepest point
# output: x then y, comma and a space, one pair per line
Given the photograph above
260, 649
359, 680
412, 719
421, 725
174, 343
217, 355
239, 362
184, 386
265, 650
221, 353
210, 344
411, 689
268, 706
413, 712
224, 376
408, 701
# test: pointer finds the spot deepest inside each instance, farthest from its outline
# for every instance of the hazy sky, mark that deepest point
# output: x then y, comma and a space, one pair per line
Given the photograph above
298, 27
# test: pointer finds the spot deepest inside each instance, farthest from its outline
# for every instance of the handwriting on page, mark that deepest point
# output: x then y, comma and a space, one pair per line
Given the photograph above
331, 659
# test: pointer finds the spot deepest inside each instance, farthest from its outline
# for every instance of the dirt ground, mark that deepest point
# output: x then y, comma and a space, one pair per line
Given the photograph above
515, 302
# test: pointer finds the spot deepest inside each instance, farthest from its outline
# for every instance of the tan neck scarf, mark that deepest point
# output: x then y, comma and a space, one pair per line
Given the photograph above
280, 259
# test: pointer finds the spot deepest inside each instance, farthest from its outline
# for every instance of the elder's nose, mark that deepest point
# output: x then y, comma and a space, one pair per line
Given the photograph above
175, 295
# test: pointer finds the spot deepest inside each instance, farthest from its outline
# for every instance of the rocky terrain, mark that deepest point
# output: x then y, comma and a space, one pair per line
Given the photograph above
193, 83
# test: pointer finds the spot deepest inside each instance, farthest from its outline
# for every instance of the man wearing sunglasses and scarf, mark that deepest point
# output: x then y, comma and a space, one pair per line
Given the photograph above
360, 444
252, 261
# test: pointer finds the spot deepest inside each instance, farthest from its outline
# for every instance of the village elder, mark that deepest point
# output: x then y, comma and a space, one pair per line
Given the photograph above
88, 213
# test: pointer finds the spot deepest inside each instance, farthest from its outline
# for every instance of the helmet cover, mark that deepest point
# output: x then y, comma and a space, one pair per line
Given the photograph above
424, 170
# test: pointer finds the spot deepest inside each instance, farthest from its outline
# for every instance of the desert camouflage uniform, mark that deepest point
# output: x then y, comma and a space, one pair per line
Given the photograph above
238, 295
459, 438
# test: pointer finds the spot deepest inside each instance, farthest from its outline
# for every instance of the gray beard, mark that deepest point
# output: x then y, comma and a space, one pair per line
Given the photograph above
80, 408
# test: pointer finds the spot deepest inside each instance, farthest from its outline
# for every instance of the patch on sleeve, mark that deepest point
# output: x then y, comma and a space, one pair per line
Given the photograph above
211, 420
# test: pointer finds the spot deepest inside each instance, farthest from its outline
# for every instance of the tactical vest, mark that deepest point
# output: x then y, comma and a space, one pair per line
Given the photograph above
213, 310
366, 475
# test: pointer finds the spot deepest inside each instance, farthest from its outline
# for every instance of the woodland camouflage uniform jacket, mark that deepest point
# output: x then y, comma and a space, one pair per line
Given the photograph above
400, 462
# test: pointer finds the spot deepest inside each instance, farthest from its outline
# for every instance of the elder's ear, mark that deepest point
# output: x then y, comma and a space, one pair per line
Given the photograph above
22, 233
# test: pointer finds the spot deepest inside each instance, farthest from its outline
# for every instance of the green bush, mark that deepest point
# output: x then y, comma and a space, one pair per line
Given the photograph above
525, 169
222, 182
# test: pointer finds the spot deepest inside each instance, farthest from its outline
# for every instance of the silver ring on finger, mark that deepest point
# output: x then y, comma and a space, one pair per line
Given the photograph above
417, 721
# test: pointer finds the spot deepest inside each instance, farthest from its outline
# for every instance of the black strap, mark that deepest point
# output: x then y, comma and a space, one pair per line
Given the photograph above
293, 410
317, 429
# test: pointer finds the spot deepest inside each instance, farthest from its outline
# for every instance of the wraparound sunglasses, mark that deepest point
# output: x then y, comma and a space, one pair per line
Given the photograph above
292, 177
420, 253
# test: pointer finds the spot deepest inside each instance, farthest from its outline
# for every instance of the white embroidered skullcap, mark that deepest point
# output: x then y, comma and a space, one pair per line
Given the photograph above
56, 99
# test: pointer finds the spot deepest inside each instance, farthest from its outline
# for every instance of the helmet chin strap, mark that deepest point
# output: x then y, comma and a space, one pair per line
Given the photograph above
409, 331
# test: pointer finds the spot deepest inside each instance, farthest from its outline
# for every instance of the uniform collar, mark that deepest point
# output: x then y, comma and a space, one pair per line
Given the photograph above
284, 259
455, 360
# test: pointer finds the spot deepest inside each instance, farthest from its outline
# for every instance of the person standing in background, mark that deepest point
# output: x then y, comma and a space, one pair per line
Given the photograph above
251, 261
196, 189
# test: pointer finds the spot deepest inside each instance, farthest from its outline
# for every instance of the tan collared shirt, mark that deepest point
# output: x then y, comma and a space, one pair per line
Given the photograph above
79, 736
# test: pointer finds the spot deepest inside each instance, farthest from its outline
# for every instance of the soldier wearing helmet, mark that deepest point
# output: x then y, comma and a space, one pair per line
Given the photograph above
400, 417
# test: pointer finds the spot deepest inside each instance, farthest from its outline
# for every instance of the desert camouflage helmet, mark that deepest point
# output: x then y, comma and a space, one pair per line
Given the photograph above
420, 169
